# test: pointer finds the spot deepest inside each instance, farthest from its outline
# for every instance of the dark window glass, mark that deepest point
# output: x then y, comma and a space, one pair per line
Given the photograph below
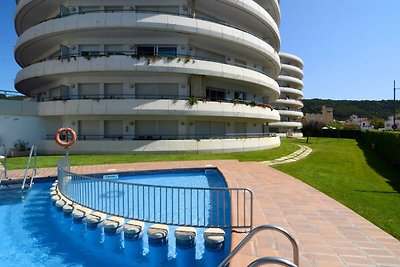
240, 95
145, 50
215, 95
167, 51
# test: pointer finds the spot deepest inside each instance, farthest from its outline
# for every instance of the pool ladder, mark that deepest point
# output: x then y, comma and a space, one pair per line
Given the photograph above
266, 260
32, 154
3, 163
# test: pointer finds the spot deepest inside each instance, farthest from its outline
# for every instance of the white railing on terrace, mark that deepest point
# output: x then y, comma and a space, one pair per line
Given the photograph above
32, 154
3, 163
188, 206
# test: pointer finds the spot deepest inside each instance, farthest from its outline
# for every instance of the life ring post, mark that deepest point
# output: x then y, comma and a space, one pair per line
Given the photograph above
64, 133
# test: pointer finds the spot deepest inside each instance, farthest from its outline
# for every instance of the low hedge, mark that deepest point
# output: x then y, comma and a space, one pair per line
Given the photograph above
332, 133
386, 143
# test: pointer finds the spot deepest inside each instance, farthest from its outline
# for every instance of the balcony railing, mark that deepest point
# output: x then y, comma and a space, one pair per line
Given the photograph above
125, 137
192, 100
152, 12
185, 58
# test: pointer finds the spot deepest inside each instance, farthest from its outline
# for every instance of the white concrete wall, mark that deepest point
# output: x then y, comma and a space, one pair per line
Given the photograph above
27, 128
163, 146
19, 120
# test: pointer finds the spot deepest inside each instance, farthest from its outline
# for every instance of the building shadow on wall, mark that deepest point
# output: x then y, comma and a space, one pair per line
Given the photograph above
382, 166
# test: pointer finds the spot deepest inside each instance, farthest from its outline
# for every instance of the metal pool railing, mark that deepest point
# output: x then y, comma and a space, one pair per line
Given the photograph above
188, 206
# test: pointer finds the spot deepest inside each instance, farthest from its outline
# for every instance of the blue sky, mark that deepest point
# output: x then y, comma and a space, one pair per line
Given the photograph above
351, 48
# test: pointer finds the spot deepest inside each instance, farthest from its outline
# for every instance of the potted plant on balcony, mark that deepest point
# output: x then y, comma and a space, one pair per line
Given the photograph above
21, 149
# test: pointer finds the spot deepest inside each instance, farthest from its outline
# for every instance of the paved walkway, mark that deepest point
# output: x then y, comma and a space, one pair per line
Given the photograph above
303, 152
328, 233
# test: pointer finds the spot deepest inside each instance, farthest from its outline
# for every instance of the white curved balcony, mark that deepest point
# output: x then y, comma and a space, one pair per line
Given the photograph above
291, 91
291, 113
159, 108
291, 81
292, 71
286, 124
32, 12
273, 8
289, 102
294, 60
45, 36
40, 74
245, 13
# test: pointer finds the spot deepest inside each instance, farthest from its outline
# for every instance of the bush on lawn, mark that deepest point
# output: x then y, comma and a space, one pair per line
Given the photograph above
386, 143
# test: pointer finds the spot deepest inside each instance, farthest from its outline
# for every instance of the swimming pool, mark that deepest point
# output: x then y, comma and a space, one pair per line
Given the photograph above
35, 233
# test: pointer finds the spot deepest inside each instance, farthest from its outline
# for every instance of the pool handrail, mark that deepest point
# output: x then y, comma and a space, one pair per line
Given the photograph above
3, 171
153, 203
255, 231
32, 154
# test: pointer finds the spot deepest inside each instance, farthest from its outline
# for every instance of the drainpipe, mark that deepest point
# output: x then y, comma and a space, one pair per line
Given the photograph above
193, 8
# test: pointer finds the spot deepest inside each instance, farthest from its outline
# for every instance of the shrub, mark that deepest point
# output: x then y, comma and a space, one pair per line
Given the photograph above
192, 100
386, 143
21, 145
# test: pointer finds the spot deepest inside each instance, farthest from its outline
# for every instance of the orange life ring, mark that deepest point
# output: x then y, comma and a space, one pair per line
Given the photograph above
65, 131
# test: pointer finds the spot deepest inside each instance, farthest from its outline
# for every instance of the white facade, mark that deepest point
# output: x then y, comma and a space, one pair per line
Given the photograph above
363, 123
289, 104
146, 75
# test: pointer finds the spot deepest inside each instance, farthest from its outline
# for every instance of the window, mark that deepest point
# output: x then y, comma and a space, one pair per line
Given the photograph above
205, 129
89, 90
113, 49
240, 95
145, 50
215, 94
167, 51
150, 50
157, 90
88, 129
113, 129
240, 128
159, 9
113, 90
89, 8
89, 50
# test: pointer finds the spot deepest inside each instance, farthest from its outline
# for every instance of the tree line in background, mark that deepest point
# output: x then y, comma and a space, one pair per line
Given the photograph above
343, 109
14, 97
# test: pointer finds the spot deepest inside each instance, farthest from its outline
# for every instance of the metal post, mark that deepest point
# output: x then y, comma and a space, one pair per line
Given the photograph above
394, 126
394, 106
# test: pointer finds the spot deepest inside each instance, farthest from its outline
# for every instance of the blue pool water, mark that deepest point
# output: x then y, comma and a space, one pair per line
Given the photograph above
35, 233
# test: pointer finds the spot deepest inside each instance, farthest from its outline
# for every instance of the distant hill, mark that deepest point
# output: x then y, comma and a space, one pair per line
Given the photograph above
343, 109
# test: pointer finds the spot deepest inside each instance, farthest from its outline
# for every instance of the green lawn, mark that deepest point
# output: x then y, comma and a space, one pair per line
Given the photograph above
288, 146
354, 175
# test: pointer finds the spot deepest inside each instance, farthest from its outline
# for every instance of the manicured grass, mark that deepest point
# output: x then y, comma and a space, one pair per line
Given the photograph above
354, 175
286, 148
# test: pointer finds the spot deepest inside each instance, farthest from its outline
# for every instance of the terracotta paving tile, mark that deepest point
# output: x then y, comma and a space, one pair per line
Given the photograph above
328, 233
350, 252
361, 265
341, 244
386, 261
321, 263
377, 252
357, 260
